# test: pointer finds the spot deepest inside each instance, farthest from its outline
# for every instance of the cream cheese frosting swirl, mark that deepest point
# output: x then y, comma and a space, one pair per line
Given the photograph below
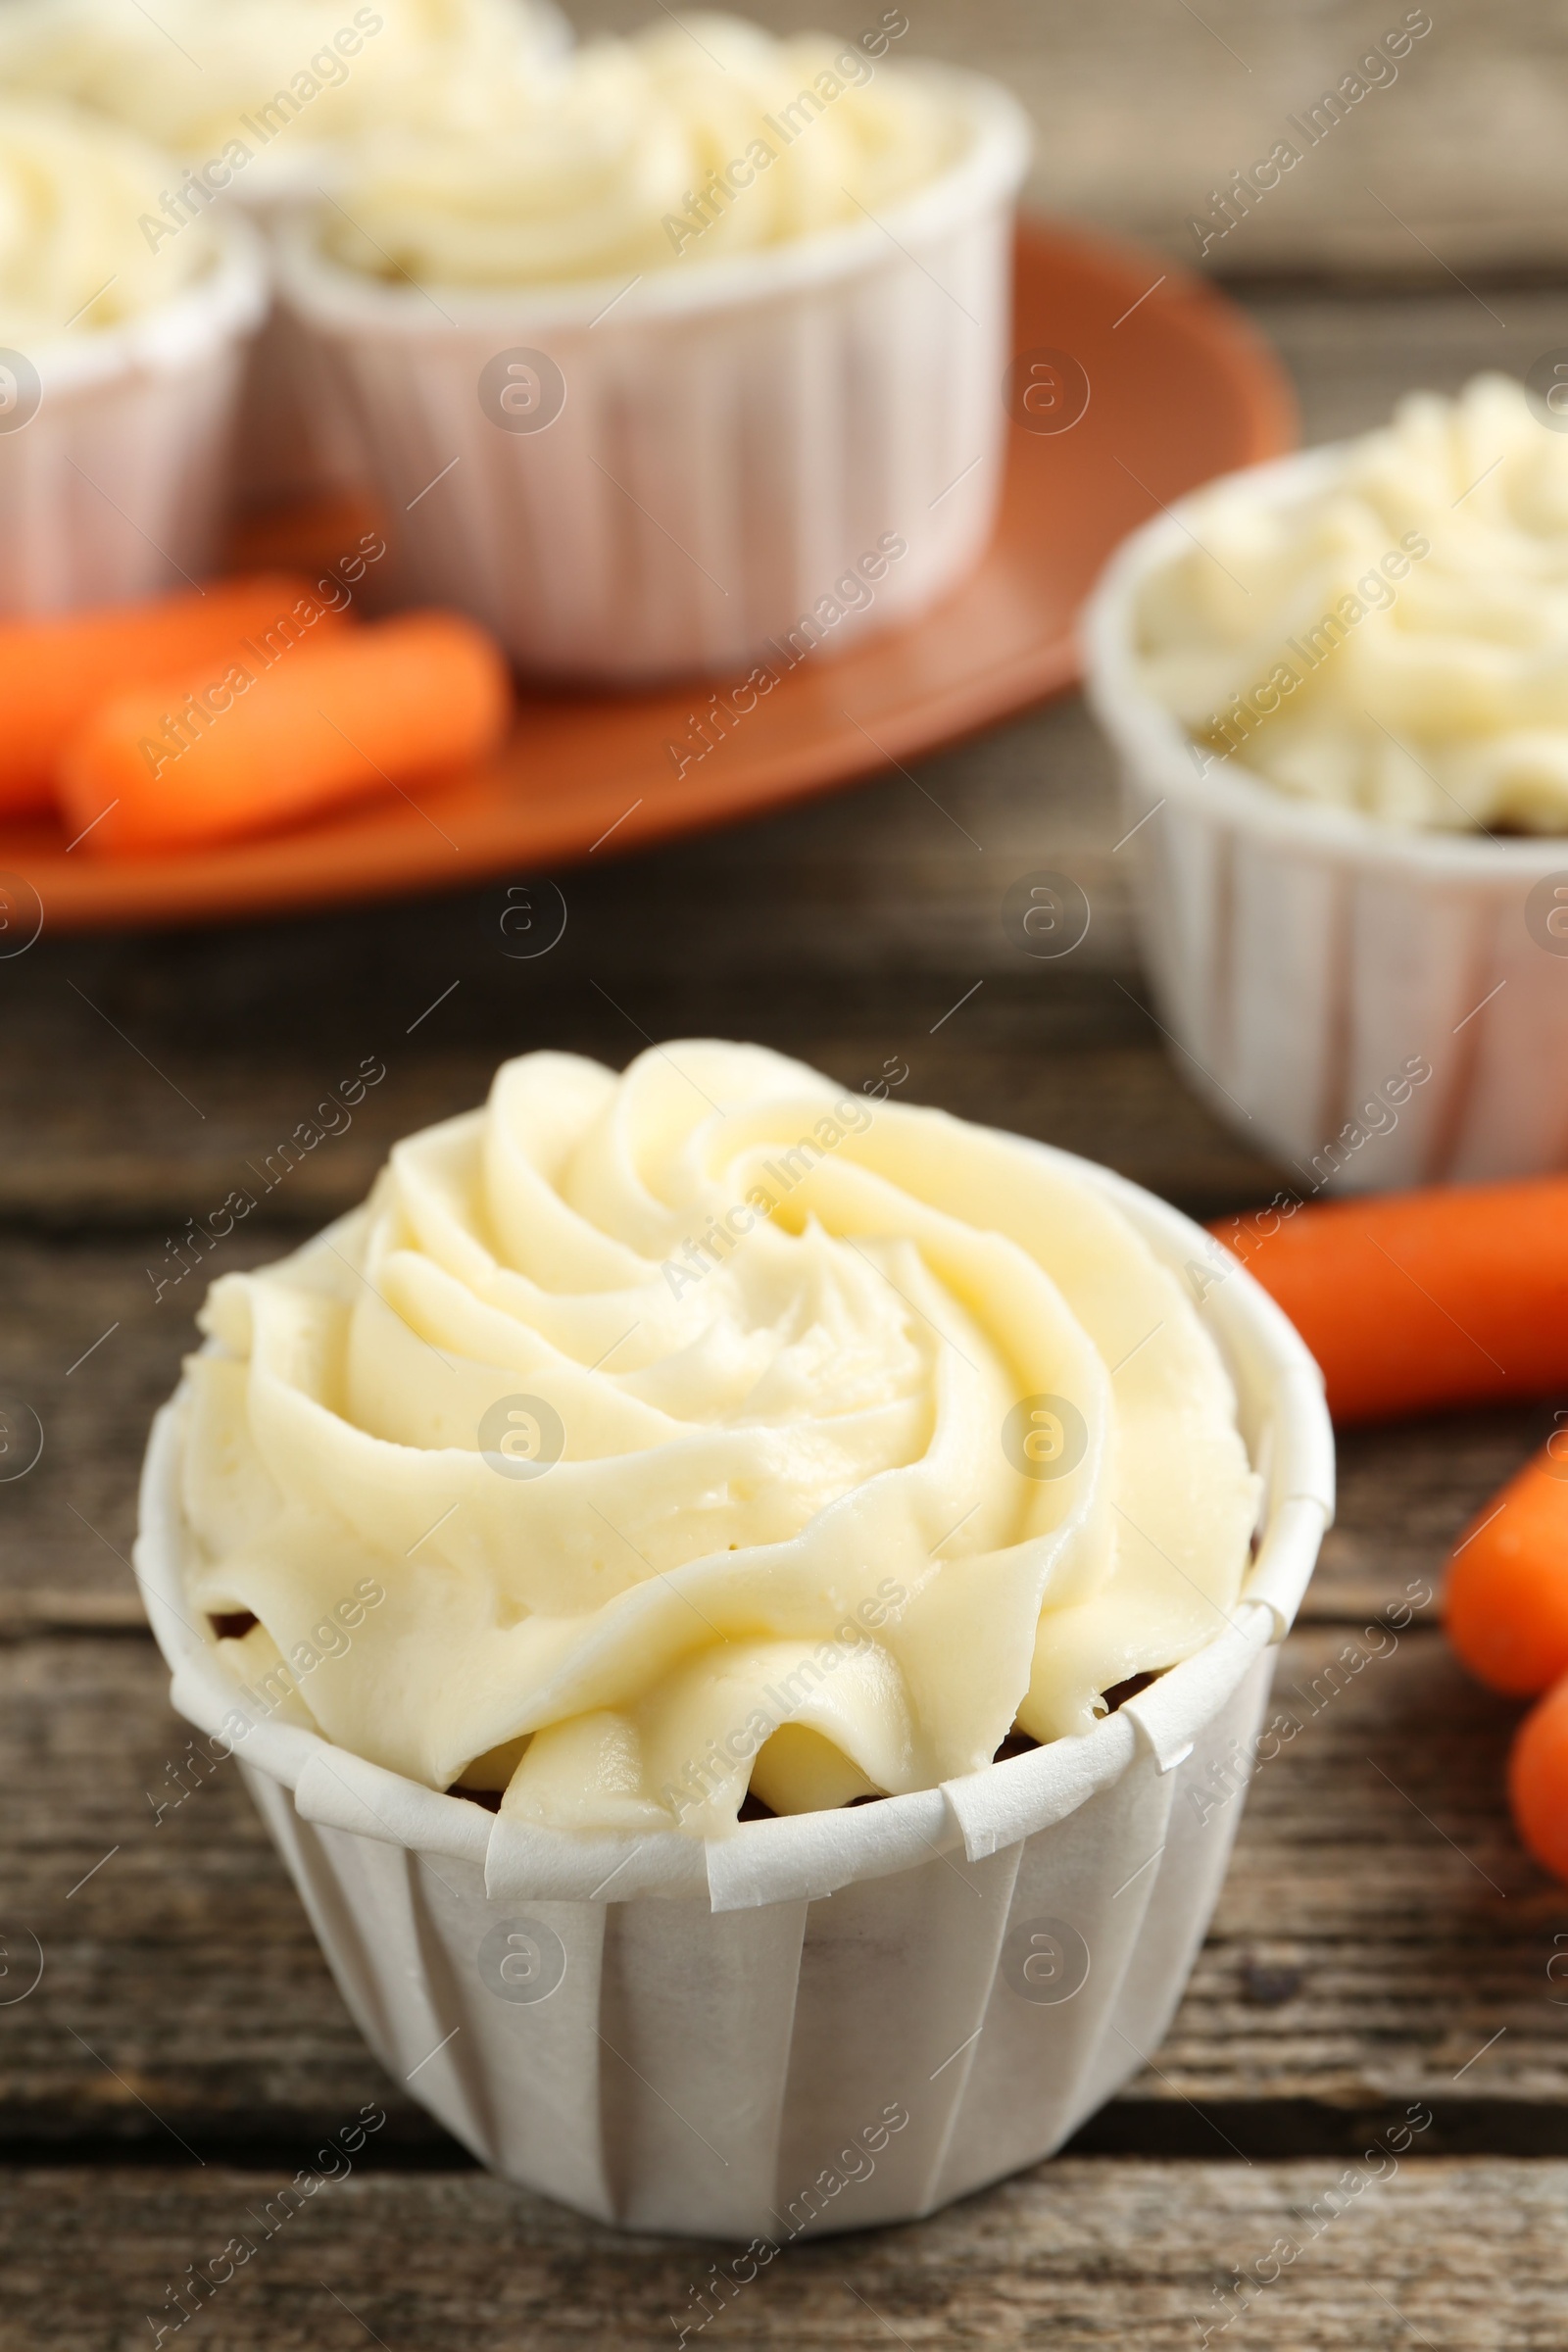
686, 144
72, 258
193, 74
708, 1428
1394, 640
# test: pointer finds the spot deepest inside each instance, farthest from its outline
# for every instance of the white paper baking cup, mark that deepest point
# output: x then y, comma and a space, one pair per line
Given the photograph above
735, 437
685, 2035
1300, 956
117, 486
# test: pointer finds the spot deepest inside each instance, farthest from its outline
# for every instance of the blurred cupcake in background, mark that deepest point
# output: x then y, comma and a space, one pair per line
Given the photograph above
1414, 598
120, 363
703, 342
622, 161
259, 100
1338, 686
287, 82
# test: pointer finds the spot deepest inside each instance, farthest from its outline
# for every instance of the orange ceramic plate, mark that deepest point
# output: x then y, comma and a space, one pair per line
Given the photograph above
1180, 388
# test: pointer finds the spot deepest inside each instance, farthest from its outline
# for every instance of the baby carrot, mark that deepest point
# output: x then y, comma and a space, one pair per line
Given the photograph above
1413, 1300
56, 671
1506, 1603
256, 746
1537, 1781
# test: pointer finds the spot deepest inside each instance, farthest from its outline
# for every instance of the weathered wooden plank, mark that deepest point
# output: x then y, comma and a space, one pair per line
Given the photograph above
86, 1347
845, 932
1079, 2255
1354, 352
1405, 1492
1074, 1060
1380, 1925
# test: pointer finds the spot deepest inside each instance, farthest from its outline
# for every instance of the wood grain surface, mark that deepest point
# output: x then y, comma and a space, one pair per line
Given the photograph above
1381, 1942
1082, 2256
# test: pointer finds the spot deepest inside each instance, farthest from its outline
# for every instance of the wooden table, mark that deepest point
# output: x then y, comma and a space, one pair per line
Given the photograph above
1382, 1941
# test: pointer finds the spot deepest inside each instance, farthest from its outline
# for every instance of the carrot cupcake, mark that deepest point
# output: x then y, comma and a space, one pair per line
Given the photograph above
1337, 684
684, 1485
705, 327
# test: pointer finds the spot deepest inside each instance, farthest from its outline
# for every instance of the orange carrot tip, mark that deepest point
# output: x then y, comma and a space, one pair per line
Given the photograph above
274, 737
1507, 1600
1537, 1781
56, 670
